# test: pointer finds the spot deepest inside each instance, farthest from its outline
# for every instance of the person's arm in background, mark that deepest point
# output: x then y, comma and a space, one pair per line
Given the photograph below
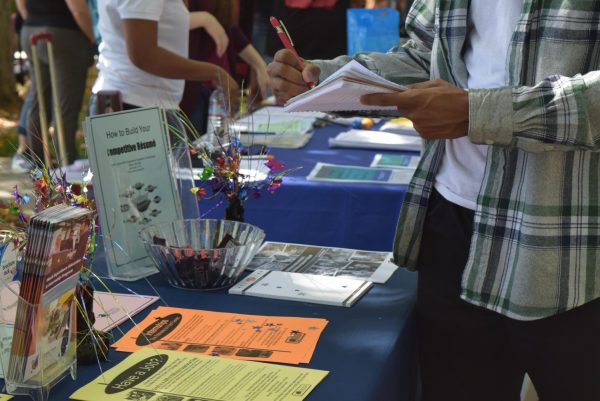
248, 53
203, 19
141, 39
81, 13
405, 65
251, 56
21, 8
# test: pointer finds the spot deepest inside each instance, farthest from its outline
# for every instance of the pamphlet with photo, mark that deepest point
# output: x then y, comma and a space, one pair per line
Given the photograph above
42, 341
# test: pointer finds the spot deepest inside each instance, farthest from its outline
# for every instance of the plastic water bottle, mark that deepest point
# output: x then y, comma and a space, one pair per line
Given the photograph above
217, 117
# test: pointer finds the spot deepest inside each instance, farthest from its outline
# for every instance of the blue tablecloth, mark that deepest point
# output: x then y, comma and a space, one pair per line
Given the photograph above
359, 216
369, 348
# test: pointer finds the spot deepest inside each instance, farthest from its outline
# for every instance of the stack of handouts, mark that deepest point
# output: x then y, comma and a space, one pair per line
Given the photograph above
247, 337
273, 127
42, 338
365, 139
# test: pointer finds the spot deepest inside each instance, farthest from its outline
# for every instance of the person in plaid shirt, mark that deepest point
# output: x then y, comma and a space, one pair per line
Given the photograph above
502, 216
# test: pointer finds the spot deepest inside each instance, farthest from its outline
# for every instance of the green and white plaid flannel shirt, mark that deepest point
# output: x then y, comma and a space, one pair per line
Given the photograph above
535, 250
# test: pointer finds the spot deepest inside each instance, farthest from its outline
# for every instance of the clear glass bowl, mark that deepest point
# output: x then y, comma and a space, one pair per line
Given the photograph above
202, 254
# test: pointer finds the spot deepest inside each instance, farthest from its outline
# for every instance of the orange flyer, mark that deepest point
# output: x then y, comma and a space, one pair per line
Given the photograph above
248, 337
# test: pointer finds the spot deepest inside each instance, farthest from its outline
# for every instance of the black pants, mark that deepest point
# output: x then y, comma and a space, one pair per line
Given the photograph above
468, 353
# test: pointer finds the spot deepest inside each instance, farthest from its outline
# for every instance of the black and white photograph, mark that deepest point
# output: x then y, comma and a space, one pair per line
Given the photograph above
324, 261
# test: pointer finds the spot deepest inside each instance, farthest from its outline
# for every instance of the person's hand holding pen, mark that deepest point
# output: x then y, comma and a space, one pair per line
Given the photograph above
289, 74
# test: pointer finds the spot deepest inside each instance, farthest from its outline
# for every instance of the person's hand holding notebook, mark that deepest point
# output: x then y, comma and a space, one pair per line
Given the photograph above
342, 91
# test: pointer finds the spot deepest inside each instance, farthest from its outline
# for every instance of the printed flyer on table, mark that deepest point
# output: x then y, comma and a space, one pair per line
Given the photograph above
157, 375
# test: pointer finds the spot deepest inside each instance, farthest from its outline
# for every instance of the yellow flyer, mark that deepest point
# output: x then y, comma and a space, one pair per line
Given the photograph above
5, 397
248, 337
156, 375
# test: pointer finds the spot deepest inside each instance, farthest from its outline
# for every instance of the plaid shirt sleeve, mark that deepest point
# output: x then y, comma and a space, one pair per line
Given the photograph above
558, 113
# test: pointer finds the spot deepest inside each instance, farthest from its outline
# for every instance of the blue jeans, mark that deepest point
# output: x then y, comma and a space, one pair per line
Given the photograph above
22, 127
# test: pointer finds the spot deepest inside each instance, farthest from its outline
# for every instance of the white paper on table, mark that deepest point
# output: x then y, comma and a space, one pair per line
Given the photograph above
277, 111
273, 125
326, 290
288, 140
260, 119
112, 309
364, 139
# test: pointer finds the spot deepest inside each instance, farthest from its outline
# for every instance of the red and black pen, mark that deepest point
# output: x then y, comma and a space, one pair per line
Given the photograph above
286, 39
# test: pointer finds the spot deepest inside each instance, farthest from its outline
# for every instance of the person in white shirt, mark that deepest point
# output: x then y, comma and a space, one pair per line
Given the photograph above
144, 50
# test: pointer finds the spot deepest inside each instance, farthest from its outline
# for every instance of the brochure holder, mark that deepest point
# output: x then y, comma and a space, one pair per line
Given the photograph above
55, 354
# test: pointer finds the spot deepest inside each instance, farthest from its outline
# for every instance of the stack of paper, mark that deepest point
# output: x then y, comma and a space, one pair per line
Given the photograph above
273, 127
342, 90
326, 290
256, 120
364, 139
57, 243
250, 337
292, 140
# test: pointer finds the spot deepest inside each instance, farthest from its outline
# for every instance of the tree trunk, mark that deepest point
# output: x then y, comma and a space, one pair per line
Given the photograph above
8, 93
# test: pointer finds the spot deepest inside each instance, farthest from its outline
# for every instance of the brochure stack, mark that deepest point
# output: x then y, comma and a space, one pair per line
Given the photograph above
39, 348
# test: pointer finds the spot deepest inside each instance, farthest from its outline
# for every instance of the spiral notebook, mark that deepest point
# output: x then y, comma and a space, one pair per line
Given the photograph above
342, 90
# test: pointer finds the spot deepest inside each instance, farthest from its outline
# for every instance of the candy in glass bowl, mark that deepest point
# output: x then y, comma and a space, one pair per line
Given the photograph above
202, 254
